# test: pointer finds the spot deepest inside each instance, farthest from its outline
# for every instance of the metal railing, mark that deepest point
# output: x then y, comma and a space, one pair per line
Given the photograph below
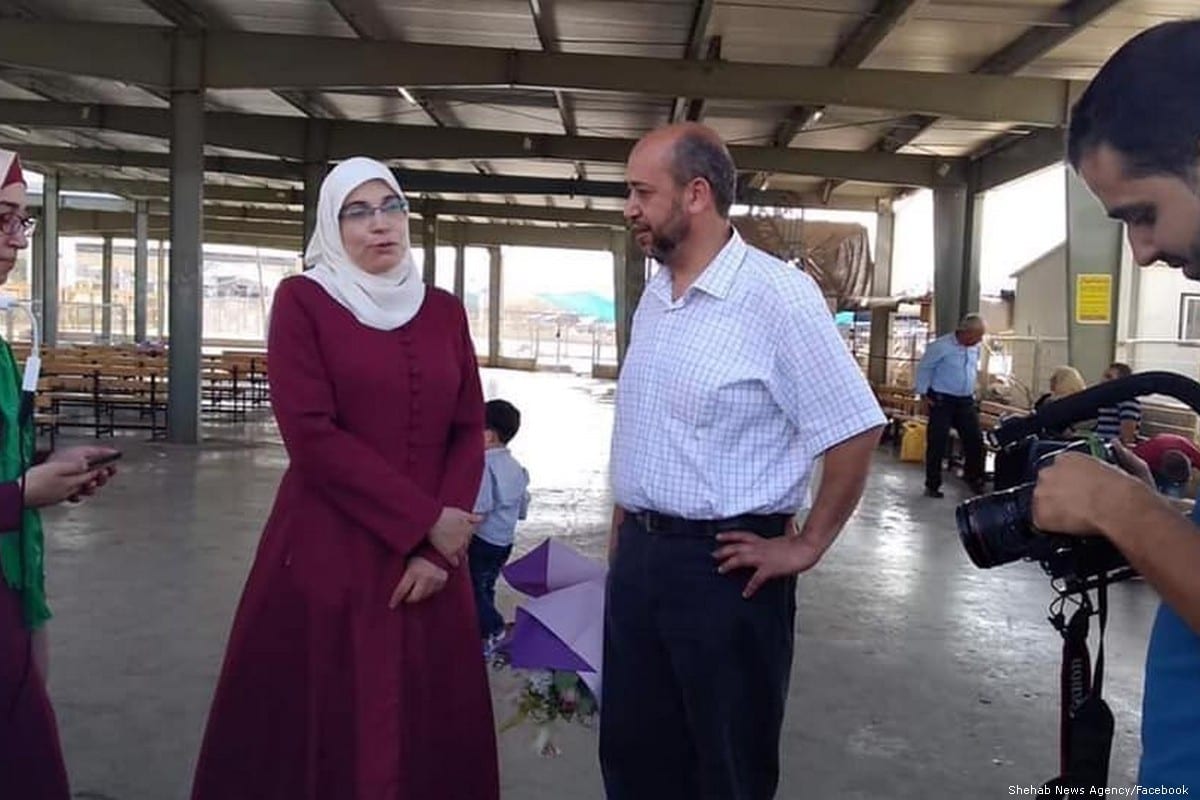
1021, 366
1171, 355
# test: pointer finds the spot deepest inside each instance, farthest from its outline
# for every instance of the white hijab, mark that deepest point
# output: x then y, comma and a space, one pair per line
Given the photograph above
385, 301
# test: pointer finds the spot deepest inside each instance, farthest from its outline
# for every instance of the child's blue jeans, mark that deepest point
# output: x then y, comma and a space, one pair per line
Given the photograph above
485, 561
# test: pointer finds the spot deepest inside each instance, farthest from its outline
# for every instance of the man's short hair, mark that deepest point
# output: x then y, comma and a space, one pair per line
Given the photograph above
502, 417
971, 321
699, 156
1143, 103
1122, 370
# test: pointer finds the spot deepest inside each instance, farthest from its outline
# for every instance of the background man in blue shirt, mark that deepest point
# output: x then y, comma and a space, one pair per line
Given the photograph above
1135, 140
946, 382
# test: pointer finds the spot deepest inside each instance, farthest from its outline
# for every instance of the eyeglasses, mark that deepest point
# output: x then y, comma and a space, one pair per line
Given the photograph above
12, 223
362, 212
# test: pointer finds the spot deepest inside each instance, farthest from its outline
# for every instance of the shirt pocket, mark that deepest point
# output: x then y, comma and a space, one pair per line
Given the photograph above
690, 390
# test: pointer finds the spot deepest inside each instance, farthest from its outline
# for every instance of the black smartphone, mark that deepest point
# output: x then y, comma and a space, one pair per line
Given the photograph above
95, 462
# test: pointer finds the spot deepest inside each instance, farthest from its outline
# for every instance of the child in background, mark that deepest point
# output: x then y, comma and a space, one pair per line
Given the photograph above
503, 500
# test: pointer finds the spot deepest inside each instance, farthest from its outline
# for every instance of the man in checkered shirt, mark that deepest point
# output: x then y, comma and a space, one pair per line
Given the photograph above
735, 381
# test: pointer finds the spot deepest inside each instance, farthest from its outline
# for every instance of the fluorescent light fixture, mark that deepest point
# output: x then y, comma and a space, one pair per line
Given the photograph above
406, 95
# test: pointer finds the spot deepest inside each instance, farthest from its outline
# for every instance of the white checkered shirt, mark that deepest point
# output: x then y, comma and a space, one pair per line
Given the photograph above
729, 393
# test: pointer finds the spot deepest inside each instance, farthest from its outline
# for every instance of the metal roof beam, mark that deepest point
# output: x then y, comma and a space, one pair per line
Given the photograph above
545, 22
188, 18
1031, 45
141, 54
419, 181
219, 194
285, 137
253, 167
695, 43
369, 24
1040, 40
155, 190
696, 106
1025, 154
78, 221
887, 16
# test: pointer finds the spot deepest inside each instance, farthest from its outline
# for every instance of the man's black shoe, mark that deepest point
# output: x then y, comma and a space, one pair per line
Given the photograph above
935, 493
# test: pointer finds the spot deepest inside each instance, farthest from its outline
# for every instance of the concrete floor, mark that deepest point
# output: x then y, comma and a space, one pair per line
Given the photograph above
915, 675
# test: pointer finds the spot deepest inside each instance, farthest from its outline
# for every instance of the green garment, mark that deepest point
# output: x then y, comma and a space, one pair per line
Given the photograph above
23, 548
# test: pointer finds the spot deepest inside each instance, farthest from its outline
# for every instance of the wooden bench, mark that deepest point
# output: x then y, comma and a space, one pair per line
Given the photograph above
106, 388
111, 390
234, 382
992, 412
1162, 418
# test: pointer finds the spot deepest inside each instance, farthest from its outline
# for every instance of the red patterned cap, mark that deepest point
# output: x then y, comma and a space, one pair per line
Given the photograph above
10, 162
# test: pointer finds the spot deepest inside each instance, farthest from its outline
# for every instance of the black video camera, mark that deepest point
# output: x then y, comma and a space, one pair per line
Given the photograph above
997, 528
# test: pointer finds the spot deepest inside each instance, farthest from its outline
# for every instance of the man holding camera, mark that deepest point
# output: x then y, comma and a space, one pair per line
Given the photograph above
1135, 140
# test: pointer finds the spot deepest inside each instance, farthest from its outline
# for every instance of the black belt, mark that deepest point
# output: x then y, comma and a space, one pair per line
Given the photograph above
761, 524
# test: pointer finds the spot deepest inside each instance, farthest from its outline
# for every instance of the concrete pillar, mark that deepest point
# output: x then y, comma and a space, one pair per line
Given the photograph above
37, 269
1093, 272
629, 279
495, 270
141, 266
460, 271
187, 240
48, 239
161, 298
316, 165
957, 218
881, 286
429, 241
106, 290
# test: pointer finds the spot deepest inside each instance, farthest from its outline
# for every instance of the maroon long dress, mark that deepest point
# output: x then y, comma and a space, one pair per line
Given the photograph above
31, 762
326, 693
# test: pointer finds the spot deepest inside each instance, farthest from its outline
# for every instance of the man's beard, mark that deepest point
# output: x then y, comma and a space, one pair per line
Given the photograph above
665, 241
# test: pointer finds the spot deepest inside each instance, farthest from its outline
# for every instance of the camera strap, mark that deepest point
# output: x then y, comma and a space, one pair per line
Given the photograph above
1086, 722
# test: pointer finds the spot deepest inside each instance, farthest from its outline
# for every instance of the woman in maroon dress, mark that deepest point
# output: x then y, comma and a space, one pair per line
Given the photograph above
31, 762
353, 670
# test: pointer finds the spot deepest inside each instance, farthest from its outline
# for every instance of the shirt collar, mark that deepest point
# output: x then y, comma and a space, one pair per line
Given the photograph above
717, 278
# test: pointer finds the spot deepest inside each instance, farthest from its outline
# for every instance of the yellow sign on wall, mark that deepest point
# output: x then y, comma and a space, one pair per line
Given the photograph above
1093, 299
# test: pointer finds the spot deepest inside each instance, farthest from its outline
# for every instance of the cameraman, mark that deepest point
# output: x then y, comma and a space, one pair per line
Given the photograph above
1135, 140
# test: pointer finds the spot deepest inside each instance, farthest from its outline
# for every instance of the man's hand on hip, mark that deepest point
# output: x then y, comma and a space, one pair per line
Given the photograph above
778, 557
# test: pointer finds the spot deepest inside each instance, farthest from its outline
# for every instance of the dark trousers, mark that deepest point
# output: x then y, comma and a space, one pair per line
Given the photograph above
695, 676
947, 411
486, 561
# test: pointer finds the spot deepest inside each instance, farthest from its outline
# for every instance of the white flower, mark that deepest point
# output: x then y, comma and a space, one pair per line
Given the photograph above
540, 682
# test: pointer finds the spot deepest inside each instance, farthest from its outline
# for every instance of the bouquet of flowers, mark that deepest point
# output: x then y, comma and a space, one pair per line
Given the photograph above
548, 697
557, 640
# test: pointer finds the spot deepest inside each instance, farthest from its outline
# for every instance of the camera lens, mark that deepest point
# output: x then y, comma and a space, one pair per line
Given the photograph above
994, 528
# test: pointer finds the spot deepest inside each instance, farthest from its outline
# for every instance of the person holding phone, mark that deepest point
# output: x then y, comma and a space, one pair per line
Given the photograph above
31, 762
353, 668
